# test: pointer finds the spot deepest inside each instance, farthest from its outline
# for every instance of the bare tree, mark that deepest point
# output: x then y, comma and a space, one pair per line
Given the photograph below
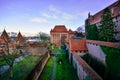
44, 37
9, 56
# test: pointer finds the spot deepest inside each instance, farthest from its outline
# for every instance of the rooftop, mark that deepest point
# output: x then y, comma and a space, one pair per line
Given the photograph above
59, 28
5, 36
114, 8
71, 32
78, 44
19, 37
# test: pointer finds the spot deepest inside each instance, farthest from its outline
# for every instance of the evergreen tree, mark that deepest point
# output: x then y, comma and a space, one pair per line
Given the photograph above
92, 32
107, 29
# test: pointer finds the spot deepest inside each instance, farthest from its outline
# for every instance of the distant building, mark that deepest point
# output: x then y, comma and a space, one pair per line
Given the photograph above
96, 18
4, 38
20, 38
60, 33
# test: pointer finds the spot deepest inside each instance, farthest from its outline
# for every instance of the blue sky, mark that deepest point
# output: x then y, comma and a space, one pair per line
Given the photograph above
33, 16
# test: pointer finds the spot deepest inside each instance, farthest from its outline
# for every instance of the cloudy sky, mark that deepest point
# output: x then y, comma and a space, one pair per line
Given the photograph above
33, 16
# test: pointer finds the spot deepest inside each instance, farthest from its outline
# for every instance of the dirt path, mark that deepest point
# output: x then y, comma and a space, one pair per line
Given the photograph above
53, 77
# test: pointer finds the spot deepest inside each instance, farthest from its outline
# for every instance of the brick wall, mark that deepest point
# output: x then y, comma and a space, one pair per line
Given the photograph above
103, 43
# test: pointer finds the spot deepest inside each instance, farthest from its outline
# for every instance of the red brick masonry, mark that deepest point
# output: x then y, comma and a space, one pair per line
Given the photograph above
103, 43
78, 44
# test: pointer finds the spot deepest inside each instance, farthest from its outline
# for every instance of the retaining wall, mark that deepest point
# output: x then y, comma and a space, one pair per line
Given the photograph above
82, 68
37, 70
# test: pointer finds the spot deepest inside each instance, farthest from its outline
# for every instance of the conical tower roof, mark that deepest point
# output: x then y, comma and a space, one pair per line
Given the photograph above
5, 36
20, 37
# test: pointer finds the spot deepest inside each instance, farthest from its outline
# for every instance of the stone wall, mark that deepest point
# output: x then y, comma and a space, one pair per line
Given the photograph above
95, 50
79, 69
38, 50
82, 68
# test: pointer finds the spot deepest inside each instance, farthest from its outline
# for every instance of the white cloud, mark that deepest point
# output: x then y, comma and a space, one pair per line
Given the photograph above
46, 15
54, 9
67, 16
57, 13
39, 20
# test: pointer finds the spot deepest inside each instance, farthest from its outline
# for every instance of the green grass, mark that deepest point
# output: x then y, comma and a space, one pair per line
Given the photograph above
23, 68
46, 74
56, 48
65, 70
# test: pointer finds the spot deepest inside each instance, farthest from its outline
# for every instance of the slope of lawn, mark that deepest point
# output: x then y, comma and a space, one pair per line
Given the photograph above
65, 70
58, 67
23, 68
46, 74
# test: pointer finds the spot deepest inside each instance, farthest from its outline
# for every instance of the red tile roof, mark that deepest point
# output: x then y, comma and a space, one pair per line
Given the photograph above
20, 37
59, 28
70, 31
115, 8
78, 44
5, 36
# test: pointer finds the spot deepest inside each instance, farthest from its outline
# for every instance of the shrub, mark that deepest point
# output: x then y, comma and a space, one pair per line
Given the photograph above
112, 61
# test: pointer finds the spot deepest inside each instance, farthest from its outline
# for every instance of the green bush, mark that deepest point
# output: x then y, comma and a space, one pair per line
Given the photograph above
112, 61
98, 66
